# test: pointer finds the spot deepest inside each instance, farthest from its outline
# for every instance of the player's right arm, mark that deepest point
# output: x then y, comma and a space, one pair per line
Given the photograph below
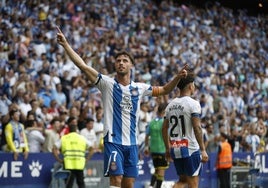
90, 72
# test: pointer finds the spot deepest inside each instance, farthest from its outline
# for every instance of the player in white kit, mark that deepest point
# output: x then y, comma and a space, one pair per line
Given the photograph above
182, 135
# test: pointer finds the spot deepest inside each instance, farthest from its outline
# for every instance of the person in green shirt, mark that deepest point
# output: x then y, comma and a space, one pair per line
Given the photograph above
154, 144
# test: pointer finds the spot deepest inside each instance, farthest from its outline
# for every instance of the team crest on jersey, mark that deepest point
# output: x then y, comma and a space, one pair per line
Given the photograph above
113, 166
126, 104
126, 98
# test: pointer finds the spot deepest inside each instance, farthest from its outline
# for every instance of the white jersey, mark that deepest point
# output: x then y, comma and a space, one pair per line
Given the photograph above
121, 106
180, 129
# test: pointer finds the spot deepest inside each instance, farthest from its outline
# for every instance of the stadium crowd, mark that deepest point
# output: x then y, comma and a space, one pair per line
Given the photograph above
227, 50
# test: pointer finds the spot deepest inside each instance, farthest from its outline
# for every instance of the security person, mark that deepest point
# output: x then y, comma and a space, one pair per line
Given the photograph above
73, 146
224, 161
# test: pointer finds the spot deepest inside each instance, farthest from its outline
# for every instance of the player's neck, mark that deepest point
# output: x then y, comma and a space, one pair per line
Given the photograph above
123, 79
184, 94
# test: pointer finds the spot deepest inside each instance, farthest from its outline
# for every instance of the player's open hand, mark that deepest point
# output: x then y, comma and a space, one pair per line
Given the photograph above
60, 37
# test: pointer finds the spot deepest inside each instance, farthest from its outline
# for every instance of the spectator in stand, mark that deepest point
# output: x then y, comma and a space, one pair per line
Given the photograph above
99, 126
227, 99
23, 84
235, 139
35, 137
64, 129
25, 105
59, 96
73, 112
6, 118
30, 116
145, 118
251, 114
252, 140
205, 107
66, 86
51, 135
212, 139
23, 51
53, 108
82, 117
45, 117
261, 129
45, 95
16, 140
58, 64
89, 133
17, 94
4, 104
36, 110
38, 45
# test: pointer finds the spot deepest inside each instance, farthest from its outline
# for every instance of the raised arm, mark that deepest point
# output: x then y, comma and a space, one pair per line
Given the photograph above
78, 61
167, 88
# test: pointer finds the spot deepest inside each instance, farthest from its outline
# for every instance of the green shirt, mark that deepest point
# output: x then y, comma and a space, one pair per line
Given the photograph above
156, 140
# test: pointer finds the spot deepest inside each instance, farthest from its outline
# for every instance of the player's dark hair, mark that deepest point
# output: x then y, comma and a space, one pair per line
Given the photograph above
124, 52
185, 81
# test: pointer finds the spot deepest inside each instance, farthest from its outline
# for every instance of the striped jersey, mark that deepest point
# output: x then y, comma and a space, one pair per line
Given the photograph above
121, 106
180, 129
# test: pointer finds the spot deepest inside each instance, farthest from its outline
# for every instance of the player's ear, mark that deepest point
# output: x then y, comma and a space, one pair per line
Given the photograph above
191, 85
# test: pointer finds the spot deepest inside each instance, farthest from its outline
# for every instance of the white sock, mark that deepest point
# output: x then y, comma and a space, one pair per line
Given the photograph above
111, 186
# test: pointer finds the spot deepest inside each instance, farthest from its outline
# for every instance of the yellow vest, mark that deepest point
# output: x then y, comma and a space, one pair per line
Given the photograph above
74, 148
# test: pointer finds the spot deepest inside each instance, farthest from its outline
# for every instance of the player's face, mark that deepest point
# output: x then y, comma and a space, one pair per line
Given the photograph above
123, 64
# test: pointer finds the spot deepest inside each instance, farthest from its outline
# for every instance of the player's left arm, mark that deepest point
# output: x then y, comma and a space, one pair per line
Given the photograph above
199, 137
198, 132
166, 139
168, 87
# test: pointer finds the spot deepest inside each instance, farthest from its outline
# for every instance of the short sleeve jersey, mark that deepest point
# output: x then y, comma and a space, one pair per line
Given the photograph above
181, 134
121, 106
154, 130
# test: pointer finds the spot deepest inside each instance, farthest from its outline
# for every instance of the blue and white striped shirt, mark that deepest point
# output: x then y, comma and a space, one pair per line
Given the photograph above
121, 105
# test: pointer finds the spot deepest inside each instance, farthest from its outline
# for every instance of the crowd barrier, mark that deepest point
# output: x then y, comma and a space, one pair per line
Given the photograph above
39, 167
